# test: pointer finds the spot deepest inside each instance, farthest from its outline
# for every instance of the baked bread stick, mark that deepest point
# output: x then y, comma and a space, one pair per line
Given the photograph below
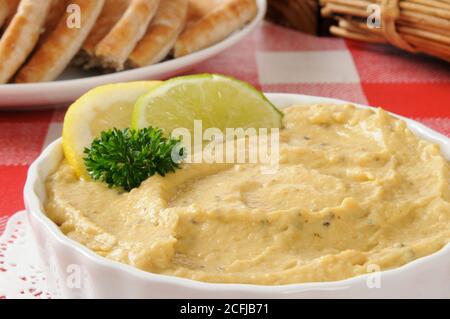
21, 36
161, 34
110, 15
56, 11
216, 26
114, 49
12, 9
50, 60
199, 8
4, 11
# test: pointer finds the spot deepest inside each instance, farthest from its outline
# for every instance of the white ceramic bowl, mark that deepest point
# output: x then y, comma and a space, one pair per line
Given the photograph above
427, 277
75, 82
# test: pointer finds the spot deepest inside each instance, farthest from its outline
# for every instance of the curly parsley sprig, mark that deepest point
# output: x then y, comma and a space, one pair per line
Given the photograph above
125, 158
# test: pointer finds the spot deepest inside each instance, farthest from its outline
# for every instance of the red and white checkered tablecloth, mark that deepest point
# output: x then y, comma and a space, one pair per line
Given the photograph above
274, 59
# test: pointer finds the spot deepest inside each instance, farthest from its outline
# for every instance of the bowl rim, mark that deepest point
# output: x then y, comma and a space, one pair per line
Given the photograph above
35, 208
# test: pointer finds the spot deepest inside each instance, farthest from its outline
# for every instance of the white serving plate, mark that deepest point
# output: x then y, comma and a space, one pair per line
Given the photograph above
427, 277
74, 82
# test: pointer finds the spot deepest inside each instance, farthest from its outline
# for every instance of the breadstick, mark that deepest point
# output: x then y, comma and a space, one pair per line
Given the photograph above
429, 48
432, 3
115, 48
351, 3
425, 27
216, 26
419, 18
437, 47
425, 34
56, 11
199, 8
4, 11
356, 35
424, 24
21, 36
343, 9
162, 33
441, 13
111, 14
63, 43
12, 9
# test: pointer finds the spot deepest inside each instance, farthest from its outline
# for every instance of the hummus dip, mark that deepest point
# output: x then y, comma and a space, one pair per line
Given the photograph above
355, 188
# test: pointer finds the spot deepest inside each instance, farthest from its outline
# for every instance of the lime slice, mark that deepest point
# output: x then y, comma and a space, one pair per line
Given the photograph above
100, 109
218, 101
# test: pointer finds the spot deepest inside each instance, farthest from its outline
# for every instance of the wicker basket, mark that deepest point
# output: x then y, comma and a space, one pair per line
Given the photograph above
302, 15
412, 25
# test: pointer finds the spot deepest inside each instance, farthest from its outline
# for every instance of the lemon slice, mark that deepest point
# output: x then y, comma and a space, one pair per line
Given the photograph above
218, 101
105, 107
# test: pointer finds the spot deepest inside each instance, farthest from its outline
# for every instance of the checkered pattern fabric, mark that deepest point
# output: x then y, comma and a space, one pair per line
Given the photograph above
274, 59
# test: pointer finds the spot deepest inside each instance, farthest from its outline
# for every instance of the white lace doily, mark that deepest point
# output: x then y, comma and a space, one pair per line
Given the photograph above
21, 274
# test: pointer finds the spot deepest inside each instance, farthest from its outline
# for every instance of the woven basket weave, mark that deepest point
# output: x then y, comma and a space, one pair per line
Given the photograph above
301, 15
421, 26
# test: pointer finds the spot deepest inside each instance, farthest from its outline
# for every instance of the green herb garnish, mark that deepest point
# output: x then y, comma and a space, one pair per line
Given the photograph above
126, 158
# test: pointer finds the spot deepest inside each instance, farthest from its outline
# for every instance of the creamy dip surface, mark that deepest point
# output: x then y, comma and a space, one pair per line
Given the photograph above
355, 188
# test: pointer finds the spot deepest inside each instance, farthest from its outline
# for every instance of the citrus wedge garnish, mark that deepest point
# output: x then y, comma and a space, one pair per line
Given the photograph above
103, 108
218, 101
